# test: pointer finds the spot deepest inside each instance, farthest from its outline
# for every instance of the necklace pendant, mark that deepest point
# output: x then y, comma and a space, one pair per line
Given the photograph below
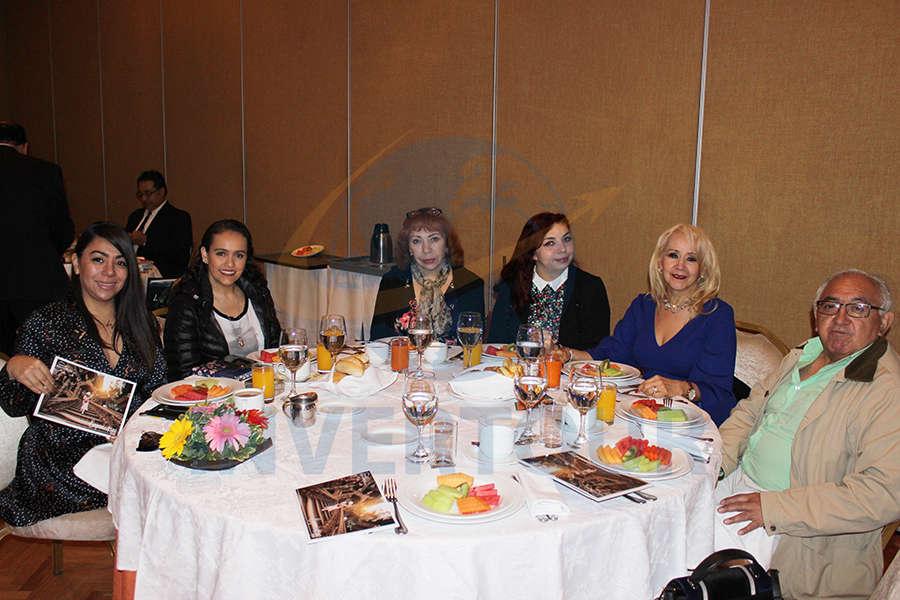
240, 341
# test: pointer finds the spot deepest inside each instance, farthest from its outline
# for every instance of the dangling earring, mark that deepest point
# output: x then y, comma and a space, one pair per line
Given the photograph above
700, 279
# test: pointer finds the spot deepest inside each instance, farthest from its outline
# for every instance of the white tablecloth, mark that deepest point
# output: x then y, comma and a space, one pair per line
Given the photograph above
239, 533
302, 296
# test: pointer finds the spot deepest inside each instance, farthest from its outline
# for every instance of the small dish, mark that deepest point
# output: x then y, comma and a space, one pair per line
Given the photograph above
307, 251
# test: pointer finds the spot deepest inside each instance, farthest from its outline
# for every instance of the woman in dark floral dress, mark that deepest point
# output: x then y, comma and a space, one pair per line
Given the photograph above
103, 324
542, 286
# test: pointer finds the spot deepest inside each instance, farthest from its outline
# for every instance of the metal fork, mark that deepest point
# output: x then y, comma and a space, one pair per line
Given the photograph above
667, 401
390, 492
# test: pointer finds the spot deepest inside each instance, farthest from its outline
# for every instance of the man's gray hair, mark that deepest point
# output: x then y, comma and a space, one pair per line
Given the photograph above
884, 291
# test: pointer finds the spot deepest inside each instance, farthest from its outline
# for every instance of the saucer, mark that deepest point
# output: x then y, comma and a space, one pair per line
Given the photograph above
474, 453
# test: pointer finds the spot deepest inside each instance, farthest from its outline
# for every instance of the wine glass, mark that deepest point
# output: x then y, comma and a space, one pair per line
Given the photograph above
529, 383
583, 392
292, 348
332, 331
420, 404
468, 330
529, 342
420, 335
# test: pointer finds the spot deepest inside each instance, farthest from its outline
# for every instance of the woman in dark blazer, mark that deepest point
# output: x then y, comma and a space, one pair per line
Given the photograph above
541, 285
222, 305
429, 279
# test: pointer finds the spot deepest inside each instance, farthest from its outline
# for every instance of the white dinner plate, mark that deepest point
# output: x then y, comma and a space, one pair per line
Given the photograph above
694, 415
681, 464
163, 394
490, 358
389, 434
411, 490
630, 371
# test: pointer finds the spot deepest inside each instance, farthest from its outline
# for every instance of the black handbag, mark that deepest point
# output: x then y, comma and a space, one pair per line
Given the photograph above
730, 574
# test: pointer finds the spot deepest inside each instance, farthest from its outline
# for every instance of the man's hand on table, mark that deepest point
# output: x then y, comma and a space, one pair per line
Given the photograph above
748, 507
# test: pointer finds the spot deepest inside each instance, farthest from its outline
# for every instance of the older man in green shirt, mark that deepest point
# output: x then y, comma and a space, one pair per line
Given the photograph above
811, 455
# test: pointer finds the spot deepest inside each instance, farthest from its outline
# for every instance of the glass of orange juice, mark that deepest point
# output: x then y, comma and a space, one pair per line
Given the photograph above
323, 359
264, 379
606, 405
469, 328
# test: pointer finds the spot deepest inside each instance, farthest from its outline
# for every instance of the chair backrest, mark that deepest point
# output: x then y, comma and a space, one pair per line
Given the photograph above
759, 352
11, 430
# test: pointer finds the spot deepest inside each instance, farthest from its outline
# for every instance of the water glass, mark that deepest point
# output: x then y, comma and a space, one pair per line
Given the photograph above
293, 352
443, 444
529, 342
420, 404
551, 424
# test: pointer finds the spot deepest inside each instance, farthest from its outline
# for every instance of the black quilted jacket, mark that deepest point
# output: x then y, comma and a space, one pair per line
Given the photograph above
192, 335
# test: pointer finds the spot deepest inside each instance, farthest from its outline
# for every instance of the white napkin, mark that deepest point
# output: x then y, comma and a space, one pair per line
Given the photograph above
93, 468
483, 384
669, 438
372, 381
541, 494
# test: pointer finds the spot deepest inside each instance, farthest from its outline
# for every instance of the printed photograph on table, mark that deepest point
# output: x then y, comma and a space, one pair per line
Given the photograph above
581, 475
85, 399
350, 504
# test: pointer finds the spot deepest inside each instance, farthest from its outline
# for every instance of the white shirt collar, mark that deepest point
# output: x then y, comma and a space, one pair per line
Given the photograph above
540, 283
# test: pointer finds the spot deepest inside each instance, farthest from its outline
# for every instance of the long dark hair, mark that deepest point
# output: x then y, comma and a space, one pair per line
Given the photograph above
519, 271
138, 328
198, 272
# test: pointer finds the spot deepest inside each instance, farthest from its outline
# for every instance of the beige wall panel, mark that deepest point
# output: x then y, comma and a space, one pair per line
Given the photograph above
30, 104
76, 84
597, 118
203, 109
421, 117
295, 57
132, 98
801, 152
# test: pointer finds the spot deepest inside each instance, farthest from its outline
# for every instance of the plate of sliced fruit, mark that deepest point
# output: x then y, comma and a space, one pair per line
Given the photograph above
188, 392
306, 251
611, 371
461, 498
640, 458
494, 353
647, 410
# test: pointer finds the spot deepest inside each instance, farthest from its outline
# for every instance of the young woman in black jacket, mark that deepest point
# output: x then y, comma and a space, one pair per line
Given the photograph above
541, 285
222, 305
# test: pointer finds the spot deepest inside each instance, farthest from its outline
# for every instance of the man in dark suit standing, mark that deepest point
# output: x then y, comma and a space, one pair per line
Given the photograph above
159, 231
35, 229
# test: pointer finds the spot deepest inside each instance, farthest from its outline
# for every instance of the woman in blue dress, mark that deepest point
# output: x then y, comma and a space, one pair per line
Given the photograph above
680, 334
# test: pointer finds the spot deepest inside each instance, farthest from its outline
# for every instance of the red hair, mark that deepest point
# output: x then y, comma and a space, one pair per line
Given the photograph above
429, 222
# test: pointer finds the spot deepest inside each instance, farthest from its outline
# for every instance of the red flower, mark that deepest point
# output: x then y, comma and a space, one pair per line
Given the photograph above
254, 417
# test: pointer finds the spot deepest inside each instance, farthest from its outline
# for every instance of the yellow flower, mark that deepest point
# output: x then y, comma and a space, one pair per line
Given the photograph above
172, 441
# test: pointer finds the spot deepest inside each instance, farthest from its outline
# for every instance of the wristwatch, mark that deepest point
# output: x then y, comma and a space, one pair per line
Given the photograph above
692, 393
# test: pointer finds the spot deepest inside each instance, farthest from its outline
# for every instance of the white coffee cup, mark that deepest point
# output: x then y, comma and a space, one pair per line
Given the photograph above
435, 353
496, 436
572, 418
379, 352
248, 399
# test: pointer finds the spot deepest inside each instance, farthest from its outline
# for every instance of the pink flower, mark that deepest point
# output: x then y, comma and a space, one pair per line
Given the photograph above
206, 409
226, 429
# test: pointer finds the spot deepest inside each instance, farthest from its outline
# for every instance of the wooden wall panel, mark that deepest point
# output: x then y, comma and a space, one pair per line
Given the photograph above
295, 57
801, 153
597, 118
132, 98
30, 100
5, 55
76, 83
421, 85
203, 110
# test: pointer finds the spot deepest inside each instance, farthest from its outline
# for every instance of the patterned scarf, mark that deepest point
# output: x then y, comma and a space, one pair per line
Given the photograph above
431, 301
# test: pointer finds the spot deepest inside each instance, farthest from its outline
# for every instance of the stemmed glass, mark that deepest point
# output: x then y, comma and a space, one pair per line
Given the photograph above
468, 330
420, 404
529, 383
293, 348
332, 331
420, 335
529, 342
583, 392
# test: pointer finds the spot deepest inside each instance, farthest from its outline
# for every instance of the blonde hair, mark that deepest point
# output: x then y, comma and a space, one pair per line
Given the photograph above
709, 277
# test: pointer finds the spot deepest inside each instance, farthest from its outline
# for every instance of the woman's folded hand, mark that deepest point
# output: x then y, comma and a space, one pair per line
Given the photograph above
30, 372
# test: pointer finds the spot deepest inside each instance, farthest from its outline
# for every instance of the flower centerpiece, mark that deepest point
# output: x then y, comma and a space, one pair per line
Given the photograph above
215, 432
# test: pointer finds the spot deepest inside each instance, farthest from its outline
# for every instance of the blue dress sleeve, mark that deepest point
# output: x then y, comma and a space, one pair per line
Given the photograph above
619, 346
713, 373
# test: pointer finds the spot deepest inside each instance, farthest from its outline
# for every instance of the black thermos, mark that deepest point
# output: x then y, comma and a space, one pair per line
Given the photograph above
381, 250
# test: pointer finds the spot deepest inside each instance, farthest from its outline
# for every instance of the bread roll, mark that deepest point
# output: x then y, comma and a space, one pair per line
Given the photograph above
351, 365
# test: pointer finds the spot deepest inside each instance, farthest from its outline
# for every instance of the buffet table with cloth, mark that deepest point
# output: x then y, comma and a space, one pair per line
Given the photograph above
240, 534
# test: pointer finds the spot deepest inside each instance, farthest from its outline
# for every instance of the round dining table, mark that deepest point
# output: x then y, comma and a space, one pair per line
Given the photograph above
239, 533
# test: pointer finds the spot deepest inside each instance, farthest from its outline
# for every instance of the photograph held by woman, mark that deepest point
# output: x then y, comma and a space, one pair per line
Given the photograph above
104, 324
222, 305
542, 286
429, 279
680, 334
